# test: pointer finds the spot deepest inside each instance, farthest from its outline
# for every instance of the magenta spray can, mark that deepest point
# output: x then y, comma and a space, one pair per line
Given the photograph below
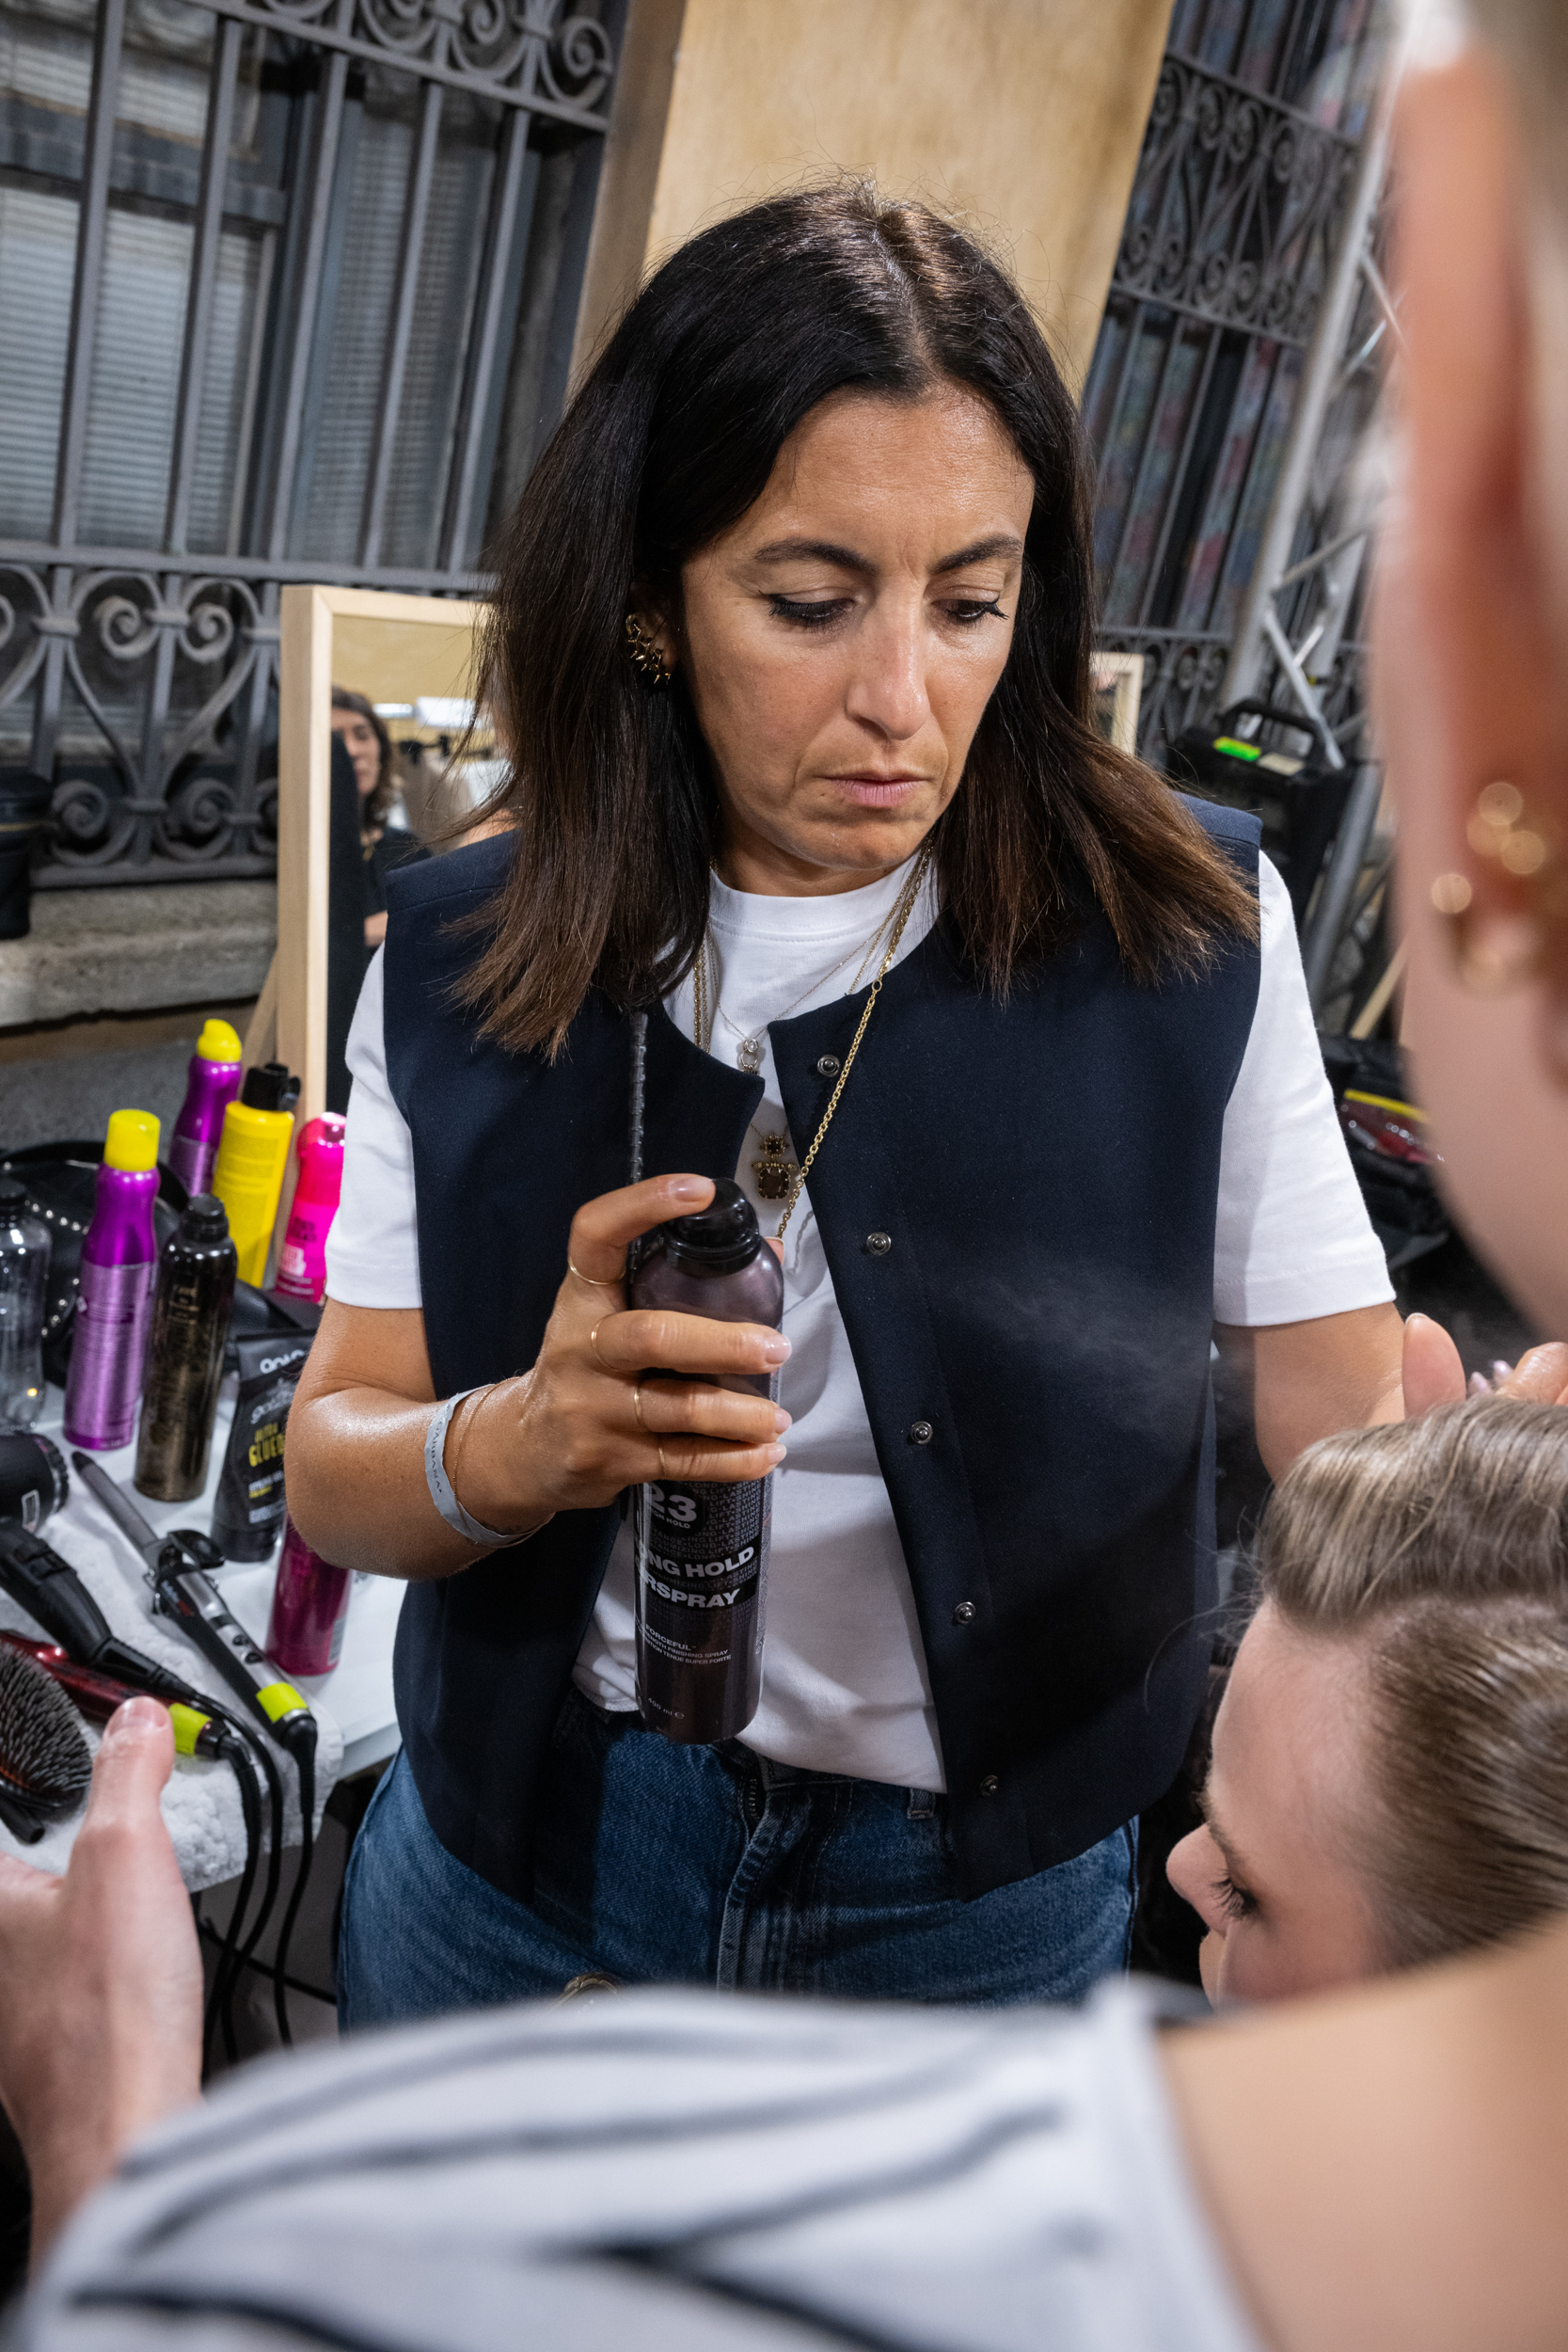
701, 1548
113, 1308
215, 1072
309, 1609
302, 1259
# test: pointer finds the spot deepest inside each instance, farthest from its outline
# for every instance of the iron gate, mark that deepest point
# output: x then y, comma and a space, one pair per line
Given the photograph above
1237, 210
287, 292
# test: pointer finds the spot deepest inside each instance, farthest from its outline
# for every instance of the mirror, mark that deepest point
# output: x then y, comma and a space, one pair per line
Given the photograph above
411, 659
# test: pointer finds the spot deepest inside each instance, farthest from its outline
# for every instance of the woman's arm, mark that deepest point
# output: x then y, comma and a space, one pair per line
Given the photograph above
567, 1434
1339, 1372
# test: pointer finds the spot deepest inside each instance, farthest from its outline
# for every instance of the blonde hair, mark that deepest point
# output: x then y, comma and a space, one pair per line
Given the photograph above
1439, 1547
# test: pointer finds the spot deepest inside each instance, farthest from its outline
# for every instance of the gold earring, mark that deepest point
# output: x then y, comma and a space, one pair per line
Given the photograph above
1500, 949
643, 653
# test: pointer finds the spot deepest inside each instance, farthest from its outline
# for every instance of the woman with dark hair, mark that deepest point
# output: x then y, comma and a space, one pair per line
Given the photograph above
792, 630
383, 848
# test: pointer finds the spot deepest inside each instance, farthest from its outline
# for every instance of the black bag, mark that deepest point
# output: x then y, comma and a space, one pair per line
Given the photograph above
1299, 798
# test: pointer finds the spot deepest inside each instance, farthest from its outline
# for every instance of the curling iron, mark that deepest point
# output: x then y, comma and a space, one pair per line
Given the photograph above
177, 1569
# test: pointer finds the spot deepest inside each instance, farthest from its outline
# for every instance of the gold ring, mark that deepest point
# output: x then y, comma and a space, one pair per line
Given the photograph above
662, 1472
637, 1404
589, 1279
593, 1342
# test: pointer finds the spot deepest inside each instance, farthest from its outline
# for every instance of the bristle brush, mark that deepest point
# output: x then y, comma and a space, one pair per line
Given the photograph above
45, 1765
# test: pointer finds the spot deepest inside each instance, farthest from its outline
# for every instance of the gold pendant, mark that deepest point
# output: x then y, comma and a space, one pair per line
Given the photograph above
773, 1171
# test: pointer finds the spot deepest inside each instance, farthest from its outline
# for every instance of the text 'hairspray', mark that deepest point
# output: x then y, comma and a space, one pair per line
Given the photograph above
701, 1548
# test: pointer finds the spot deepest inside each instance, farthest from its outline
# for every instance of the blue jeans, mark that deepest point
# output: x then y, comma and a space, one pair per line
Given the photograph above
663, 1865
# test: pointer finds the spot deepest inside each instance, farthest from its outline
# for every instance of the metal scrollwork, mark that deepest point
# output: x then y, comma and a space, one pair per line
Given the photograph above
145, 687
523, 52
1237, 206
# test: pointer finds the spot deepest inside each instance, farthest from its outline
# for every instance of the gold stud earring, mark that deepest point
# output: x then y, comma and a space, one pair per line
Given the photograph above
643, 654
1500, 949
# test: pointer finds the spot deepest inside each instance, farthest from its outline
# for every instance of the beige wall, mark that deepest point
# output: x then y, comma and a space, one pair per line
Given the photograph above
1024, 116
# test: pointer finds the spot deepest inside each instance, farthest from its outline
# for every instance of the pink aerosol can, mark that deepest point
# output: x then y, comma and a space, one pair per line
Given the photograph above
302, 1261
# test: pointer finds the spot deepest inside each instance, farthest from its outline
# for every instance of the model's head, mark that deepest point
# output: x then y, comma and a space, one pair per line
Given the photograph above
1472, 622
1389, 1780
829, 468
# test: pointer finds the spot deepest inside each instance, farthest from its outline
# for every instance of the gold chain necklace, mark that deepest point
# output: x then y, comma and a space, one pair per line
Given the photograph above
703, 1025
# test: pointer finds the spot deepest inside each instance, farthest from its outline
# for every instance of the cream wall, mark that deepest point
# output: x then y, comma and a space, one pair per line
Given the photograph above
1023, 115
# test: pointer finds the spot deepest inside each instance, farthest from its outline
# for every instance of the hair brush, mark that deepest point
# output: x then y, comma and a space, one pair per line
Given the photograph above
44, 1762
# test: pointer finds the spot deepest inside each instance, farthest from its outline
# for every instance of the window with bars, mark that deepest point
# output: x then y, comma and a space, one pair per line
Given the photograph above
287, 290
1237, 210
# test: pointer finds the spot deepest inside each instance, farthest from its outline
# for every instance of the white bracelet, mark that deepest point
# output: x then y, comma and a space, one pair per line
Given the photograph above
440, 1486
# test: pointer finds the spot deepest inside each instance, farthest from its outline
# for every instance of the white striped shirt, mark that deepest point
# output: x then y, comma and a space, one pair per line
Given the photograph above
671, 2171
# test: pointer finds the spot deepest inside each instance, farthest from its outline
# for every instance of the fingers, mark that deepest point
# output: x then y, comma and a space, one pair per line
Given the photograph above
689, 1459
602, 1228
133, 1760
658, 1339
1433, 1373
666, 1408
1541, 1375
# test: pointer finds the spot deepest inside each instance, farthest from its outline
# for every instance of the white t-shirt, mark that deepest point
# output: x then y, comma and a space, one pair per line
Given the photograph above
844, 1687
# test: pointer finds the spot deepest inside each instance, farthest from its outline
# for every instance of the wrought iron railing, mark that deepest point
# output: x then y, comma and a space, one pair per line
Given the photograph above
139, 669
1236, 215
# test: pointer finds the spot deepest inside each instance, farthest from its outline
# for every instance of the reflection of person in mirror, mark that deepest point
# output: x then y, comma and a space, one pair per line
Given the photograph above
1389, 1777
386, 844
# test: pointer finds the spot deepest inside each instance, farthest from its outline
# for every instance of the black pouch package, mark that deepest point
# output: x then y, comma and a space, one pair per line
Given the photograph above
247, 1509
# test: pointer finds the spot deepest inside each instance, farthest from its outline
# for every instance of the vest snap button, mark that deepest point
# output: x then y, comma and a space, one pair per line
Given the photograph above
921, 1433
878, 1243
964, 1613
828, 1067
989, 1786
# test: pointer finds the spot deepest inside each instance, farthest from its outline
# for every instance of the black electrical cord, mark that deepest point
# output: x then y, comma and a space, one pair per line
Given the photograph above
221, 1998
256, 1748
305, 1765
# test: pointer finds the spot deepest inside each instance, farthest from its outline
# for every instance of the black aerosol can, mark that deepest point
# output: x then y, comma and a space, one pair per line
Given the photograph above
701, 1550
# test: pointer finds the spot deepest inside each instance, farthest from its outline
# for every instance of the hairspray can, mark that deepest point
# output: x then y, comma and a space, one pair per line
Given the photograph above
701, 1550
253, 1154
120, 1265
214, 1081
302, 1259
309, 1609
191, 1310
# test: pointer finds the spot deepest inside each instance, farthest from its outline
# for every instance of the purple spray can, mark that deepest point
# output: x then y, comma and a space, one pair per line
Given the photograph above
216, 1072
119, 1268
701, 1548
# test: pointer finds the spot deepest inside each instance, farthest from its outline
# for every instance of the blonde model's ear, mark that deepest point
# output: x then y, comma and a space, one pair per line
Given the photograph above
1468, 546
1466, 676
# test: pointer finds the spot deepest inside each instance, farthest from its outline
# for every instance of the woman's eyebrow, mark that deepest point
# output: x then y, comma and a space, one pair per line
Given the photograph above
981, 550
826, 552
812, 551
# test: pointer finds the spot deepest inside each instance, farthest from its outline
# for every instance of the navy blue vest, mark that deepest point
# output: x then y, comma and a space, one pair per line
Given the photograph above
1047, 1170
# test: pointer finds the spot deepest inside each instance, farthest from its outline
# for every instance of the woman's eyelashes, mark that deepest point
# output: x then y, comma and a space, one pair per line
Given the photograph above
1233, 1900
819, 611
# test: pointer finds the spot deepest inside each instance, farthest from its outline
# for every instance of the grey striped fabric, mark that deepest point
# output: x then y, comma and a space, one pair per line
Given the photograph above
665, 2169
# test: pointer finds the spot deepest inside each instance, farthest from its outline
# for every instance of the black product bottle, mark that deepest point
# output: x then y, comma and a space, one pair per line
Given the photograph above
184, 1357
701, 1550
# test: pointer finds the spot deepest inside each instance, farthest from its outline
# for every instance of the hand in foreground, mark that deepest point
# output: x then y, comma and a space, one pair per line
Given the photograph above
1434, 1374
100, 2023
582, 1424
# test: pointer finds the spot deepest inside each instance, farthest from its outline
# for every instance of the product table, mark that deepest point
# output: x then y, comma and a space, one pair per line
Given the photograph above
202, 1805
